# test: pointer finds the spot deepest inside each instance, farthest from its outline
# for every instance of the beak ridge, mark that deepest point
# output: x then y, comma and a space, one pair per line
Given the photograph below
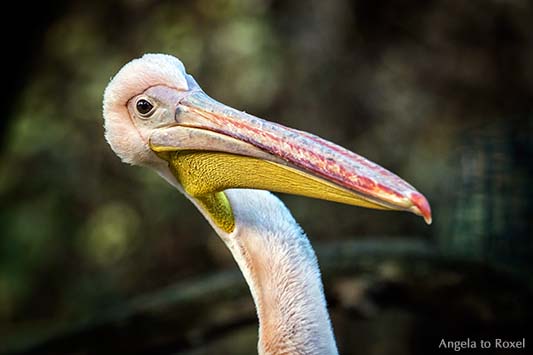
204, 124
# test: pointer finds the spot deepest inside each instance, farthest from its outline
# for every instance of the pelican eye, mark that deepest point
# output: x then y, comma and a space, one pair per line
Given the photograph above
144, 107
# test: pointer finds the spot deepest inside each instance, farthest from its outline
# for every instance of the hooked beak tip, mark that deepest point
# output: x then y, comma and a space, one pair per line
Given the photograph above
421, 206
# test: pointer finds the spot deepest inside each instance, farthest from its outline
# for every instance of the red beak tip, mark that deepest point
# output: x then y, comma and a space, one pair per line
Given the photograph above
422, 206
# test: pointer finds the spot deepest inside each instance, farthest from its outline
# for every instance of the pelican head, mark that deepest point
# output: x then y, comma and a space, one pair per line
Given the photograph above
156, 115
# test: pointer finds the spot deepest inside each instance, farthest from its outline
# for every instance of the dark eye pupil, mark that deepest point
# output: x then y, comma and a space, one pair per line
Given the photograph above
144, 107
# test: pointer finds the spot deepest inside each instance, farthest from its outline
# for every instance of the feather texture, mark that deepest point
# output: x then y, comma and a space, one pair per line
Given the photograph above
282, 272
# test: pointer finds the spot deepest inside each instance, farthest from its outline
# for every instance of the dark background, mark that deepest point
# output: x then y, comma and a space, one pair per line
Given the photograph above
439, 91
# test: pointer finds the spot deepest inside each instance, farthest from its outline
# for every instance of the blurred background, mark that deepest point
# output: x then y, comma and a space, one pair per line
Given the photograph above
99, 257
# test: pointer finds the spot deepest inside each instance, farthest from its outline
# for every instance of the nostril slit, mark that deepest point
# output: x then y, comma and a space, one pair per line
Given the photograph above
177, 114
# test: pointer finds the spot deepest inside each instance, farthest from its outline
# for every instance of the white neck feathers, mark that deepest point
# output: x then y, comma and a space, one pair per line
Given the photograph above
282, 272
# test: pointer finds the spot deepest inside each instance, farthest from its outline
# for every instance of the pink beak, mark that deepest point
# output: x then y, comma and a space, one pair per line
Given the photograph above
205, 124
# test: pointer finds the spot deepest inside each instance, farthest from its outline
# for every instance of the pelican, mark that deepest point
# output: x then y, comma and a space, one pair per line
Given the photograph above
222, 160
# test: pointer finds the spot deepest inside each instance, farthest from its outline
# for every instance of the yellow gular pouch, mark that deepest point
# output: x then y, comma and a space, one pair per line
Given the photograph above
204, 175
197, 179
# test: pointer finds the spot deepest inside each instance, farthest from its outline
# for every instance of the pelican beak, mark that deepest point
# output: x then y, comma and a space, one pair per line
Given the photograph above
213, 147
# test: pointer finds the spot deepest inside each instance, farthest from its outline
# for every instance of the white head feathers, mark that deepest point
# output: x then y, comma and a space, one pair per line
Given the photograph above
133, 79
